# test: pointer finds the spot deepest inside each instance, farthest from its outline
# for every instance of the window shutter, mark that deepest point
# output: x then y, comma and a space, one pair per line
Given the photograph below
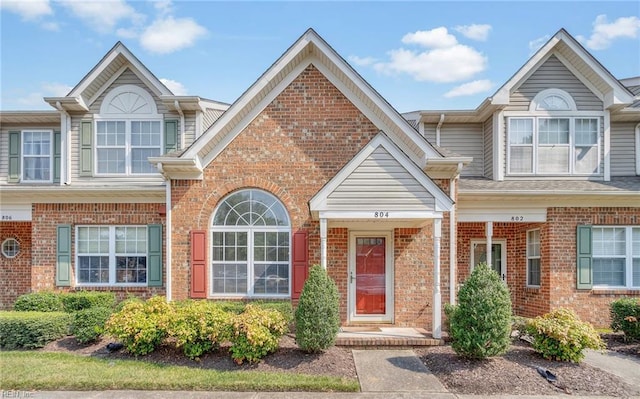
300, 263
198, 264
14, 157
63, 256
154, 255
170, 136
57, 152
86, 148
584, 277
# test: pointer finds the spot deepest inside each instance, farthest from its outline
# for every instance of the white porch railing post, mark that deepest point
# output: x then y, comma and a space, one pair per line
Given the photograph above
437, 296
323, 243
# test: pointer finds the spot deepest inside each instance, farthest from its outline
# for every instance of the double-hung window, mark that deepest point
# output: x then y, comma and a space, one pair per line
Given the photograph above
533, 258
37, 159
616, 256
111, 255
123, 146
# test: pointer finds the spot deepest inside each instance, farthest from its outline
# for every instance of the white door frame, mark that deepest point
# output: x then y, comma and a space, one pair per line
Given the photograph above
389, 280
503, 253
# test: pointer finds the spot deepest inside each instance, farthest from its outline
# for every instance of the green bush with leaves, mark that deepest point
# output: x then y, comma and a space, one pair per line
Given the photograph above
32, 329
318, 314
480, 325
44, 301
88, 324
561, 335
256, 333
141, 326
625, 317
199, 327
80, 300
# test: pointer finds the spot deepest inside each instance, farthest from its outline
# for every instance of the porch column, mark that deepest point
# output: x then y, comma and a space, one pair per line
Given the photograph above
489, 232
323, 243
437, 296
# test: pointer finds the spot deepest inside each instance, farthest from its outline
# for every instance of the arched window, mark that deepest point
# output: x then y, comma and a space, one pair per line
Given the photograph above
250, 246
553, 100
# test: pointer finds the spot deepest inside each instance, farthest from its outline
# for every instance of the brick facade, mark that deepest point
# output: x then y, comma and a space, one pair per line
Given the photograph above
15, 273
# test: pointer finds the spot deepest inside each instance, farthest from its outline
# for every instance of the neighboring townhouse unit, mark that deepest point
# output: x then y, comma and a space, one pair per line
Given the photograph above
129, 188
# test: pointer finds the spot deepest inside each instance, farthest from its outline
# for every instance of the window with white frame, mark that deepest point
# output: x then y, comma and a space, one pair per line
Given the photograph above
250, 246
616, 256
111, 255
10, 248
37, 160
533, 258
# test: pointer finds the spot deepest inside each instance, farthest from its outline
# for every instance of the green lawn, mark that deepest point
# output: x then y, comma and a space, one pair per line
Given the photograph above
30, 370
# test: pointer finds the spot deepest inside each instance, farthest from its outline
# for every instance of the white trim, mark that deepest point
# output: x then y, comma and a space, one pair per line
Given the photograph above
107, 84
388, 317
494, 241
436, 328
16, 212
580, 76
528, 257
499, 134
371, 215
168, 241
115, 92
638, 149
16, 245
607, 145
554, 92
628, 257
502, 215
50, 155
554, 114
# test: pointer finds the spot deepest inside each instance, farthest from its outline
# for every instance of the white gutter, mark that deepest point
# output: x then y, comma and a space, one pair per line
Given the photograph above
176, 103
65, 146
440, 122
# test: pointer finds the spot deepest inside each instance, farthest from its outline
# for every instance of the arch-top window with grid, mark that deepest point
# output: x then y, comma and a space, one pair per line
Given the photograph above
250, 246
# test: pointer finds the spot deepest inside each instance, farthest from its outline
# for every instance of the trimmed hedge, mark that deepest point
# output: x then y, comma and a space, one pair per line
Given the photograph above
32, 329
88, 299
625, 317
47, 301
88, 324
39, 302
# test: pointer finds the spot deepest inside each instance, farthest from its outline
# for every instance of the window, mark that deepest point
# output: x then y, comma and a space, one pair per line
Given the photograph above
553, 146
616, 256
533, 258
111, 255
250, 246
123, 146
36, 155
10, 248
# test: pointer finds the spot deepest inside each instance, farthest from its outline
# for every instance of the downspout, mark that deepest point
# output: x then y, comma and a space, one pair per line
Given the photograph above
440, 122
65, 146
453, 238
176, 103
168, 231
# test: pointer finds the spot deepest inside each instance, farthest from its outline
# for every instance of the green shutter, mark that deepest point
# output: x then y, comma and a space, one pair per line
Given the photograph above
63, 256
14, 157
57, 152
584, 277
170, 136
154, 255
86, 148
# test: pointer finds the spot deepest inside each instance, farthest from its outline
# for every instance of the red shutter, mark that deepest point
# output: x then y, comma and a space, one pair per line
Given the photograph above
300, 262
198, 264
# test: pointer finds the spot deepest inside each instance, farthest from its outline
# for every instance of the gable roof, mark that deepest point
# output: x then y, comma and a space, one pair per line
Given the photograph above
580, 62
309, 49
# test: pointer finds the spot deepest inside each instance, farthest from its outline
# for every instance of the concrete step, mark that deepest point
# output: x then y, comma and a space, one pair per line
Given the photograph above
383, 337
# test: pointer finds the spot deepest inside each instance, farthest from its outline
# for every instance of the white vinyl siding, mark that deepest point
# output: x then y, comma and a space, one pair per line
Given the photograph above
488, 148
126, 78
466, 140
380, 182
623, 149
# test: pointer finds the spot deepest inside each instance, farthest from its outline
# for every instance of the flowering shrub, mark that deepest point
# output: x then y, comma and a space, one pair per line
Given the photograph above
199, 327
141, 326
256, 333
561, 335
625, 317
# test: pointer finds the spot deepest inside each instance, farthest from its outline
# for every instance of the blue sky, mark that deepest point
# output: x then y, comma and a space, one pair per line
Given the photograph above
418, 55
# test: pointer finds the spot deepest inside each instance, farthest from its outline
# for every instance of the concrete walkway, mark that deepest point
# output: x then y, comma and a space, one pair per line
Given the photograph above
625, 367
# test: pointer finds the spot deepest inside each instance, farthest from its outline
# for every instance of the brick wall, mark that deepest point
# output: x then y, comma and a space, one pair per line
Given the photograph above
46, 217
15, 273
292, 149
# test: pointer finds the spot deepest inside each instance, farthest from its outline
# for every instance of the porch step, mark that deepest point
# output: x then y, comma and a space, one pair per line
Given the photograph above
381, 337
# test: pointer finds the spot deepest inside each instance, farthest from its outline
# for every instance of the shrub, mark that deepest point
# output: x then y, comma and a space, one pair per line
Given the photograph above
317, 315
88, 324
88, 299
141, 326
561, 335
256, 333
39, 302
480, 325
32, 329
625, 317
199, 326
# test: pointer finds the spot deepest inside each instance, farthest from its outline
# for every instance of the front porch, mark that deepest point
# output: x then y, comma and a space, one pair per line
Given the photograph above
376, 337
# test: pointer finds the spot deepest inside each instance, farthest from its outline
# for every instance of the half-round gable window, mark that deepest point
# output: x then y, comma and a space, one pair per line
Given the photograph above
553, 100
129, 100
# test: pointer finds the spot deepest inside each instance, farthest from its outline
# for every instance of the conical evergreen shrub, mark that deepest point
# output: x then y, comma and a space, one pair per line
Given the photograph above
480, 325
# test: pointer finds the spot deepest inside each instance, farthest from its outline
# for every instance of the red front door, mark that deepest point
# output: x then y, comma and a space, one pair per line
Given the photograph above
370, 276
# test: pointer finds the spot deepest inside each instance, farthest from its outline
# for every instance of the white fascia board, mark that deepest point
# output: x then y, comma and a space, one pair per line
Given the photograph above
369, 215
579, 75
509, 215
86, 81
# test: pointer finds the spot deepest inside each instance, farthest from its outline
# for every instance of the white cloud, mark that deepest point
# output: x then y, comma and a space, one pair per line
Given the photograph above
470, 88
605, 32
52, 26
479, 32
535, 44
434, 38
103, 16
28, 9
54, 89
169, 34
362, 61
164, 7
35, 99
176, 88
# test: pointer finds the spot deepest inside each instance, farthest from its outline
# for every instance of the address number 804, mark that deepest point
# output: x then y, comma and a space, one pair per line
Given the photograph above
381, 214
